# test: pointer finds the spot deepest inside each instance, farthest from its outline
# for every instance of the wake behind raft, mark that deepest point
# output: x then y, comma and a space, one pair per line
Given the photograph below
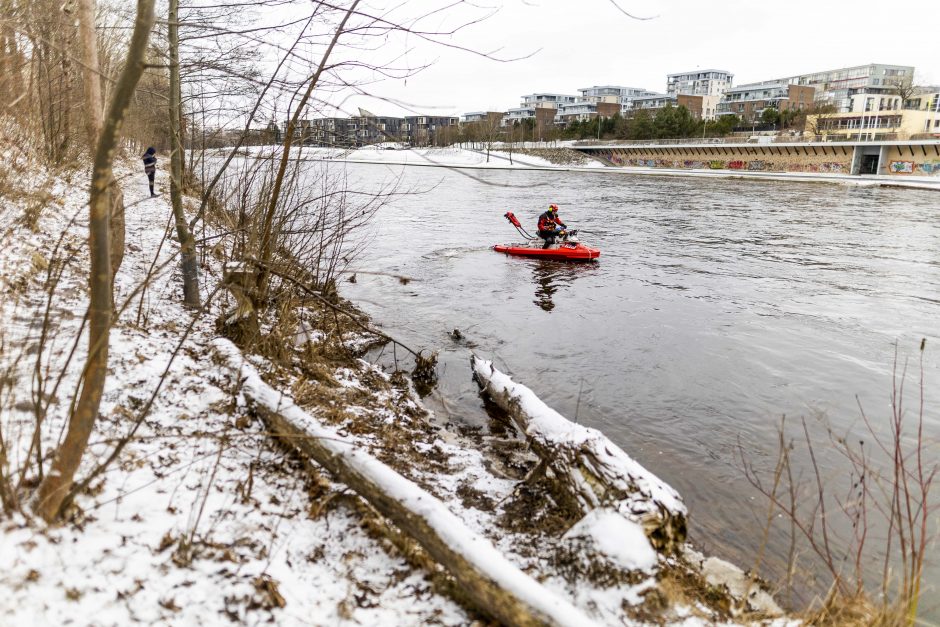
569, 249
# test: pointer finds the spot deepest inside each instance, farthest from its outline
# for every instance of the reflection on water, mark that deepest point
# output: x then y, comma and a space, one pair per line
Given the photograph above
549, 276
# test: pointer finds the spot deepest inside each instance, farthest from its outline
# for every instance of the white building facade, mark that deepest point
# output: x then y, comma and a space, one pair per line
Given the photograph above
546, 100
618, 94
699, 83
841, 86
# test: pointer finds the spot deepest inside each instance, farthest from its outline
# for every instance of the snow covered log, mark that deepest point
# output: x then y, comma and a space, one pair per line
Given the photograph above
597, 472
496, 587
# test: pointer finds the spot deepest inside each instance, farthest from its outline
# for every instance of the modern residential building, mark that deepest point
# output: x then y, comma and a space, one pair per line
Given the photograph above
518, 114
568, 113
876, 125
613, 94
369, 128
699, 83
837, 87
749, 101
424, 130
329, 132
701, 107
486, 120
542, 100
653, 102
929, 102
481, 116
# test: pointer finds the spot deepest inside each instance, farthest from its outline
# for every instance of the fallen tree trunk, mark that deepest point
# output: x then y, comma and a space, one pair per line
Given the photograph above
496, 587
594, 470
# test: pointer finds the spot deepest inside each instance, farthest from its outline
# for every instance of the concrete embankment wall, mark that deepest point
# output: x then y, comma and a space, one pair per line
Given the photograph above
912, 159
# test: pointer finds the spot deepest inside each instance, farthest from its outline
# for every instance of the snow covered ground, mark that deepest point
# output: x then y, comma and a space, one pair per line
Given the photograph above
203, 518
450, 156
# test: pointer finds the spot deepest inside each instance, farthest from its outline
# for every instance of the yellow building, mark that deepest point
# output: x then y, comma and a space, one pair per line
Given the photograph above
886, 125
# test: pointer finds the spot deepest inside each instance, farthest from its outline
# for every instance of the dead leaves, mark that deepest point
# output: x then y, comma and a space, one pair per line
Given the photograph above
268, 596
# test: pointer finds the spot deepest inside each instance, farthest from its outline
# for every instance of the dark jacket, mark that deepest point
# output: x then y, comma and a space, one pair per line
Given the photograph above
150, 162
548, 221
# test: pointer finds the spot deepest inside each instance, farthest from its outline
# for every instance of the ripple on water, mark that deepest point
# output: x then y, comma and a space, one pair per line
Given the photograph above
716, 308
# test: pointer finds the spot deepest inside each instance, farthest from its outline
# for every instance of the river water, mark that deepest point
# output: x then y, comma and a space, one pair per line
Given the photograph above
716, 308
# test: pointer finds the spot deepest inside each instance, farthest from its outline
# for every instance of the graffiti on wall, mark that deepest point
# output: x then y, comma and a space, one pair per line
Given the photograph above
832, 167
930, 168
760, 165
901, 167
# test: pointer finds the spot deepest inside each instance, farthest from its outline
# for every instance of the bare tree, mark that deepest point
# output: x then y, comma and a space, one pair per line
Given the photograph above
266, 242
57, 482
187, 243
904, 87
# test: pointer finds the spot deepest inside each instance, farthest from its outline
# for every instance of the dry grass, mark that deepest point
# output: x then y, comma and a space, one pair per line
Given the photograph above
870, 530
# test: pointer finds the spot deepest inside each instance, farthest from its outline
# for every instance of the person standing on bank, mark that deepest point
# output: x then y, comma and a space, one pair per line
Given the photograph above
150, 166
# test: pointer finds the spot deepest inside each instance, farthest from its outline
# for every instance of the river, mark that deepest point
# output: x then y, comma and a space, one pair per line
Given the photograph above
716, 308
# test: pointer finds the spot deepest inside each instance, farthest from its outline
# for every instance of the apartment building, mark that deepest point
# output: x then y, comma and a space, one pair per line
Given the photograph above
654, 102
368, 128
481, 116
586, 110
699, 83
839, 87
546, 100
424, 130
623, 96
327, 132
750, 100
882, 117
928, 100
701, 107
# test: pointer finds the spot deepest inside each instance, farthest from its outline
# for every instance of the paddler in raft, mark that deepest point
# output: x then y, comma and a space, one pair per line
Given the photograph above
550, 226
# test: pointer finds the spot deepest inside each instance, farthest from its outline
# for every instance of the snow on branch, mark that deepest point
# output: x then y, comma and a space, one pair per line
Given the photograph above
496, 587
597, 472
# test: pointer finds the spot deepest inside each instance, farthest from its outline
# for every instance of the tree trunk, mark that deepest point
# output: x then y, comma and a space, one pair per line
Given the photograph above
187, 243
594, 470
495, 586
94, 119
57, 482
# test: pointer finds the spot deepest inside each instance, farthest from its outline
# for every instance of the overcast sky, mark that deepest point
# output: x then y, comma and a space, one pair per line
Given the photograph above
590, 42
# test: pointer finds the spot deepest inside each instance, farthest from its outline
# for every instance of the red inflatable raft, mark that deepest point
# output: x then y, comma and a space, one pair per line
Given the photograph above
566, 251
569, 249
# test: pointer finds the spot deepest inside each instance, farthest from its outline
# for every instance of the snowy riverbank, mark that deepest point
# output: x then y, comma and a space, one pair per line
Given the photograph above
568, 159
205, 519
450, 157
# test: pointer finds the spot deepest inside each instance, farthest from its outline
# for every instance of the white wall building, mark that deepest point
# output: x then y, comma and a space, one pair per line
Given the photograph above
576, 111
656, 101
473, 116
839, 87
623, 96
874, 103
543, 100
699, 83
518, 114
